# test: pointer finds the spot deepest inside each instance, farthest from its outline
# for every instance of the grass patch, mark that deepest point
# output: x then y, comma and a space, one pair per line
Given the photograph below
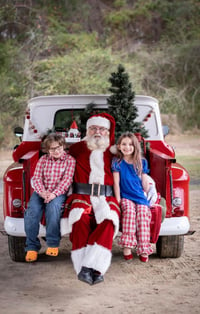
192, 165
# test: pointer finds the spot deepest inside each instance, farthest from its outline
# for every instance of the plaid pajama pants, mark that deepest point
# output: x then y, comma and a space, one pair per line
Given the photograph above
135, 227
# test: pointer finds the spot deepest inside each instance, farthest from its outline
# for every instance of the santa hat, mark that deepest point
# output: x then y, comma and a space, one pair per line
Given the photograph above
73, 125
103, 120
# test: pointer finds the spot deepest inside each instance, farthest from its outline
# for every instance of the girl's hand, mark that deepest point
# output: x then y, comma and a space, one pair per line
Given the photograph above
119, 200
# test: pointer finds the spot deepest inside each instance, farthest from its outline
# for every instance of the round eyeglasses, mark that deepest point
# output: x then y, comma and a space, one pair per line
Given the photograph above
54, 149
95, 129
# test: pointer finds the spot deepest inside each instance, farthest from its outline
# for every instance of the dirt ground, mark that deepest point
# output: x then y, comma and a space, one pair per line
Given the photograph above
161, 286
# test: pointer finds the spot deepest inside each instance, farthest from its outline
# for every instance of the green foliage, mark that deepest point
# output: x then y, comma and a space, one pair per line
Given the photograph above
121, 104
16, 20
80, 42
74, 74
89, 111
118, 18
192, 164
173, 76
119, 3
4, 56
2, 133
12, 86
71, 47
153, 20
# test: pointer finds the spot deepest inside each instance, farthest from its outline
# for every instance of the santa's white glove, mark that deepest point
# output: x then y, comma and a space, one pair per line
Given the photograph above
152, 194
32, 184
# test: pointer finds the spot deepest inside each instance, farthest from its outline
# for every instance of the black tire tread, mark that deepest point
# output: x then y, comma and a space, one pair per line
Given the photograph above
170, 246
16, 247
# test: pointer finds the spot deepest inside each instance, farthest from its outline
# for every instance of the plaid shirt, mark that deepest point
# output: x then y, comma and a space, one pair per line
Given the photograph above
53, 175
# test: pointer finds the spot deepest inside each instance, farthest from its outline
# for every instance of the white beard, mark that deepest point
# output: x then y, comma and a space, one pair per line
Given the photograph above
97, 142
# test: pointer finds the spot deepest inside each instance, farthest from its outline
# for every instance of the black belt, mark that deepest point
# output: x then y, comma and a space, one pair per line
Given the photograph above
94, 189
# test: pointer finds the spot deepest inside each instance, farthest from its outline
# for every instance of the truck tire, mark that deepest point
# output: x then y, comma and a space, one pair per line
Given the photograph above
170, 246
16, 247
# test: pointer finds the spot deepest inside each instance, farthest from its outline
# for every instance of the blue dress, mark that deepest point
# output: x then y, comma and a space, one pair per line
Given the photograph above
130, 183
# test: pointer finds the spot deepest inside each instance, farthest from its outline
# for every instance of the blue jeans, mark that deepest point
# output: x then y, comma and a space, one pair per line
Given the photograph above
32, 218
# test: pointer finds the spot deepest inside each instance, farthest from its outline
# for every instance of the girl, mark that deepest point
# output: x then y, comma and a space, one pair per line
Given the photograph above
130, 187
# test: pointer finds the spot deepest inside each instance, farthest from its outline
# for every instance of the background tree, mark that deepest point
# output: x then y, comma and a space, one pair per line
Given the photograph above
41, 45
121, 104
89, 111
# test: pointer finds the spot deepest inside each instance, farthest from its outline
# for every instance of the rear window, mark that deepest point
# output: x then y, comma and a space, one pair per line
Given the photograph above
64, 118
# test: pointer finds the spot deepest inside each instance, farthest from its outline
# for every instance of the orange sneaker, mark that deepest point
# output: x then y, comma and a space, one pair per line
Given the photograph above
31, 256
52, 251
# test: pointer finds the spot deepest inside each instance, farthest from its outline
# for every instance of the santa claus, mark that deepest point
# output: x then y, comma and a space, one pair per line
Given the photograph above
93, 215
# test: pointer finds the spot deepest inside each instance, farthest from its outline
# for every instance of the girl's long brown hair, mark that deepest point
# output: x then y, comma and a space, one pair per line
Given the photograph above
137, 160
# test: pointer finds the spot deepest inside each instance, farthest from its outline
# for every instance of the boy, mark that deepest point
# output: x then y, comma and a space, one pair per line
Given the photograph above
52, 178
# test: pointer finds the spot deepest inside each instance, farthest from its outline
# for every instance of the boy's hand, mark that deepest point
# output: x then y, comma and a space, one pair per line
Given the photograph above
44, 194
50, 197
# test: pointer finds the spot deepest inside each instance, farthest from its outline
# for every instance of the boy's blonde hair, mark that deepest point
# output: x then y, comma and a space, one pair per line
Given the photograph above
53, 137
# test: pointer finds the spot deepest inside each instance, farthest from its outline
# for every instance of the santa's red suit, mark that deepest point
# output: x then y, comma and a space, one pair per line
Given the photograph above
93, 221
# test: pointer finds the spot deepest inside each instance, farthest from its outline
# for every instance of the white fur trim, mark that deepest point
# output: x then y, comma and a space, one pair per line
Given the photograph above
99, 121
66, 223
97, 257
100, 206
97, 167
64, 226
77, 257
113, 149
102, 211
115, 220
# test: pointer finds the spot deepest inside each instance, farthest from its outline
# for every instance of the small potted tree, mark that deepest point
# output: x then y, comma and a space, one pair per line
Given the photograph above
121, 104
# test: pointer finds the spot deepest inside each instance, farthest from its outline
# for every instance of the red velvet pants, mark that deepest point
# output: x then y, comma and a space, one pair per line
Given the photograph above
87, 231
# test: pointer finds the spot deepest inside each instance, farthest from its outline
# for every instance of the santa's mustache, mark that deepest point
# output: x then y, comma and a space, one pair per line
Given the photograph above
97, 142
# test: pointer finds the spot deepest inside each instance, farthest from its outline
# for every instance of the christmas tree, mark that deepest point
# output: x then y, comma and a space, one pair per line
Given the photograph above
121, 104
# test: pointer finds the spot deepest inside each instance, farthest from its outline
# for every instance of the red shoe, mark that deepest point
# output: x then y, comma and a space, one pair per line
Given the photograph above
128, 257
144, 258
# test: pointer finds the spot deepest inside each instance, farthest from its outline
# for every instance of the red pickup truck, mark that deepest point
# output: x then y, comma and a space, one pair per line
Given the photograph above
57, 113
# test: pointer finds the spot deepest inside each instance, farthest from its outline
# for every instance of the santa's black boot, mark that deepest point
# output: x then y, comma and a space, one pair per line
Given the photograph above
85, 275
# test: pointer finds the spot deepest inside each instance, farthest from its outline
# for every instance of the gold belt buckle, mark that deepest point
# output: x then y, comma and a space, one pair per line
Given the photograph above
98, 191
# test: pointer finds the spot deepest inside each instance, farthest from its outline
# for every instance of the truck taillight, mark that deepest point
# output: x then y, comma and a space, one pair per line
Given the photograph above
177, 207
17, 210
180, 198
177, 202
13, 192
17, 203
